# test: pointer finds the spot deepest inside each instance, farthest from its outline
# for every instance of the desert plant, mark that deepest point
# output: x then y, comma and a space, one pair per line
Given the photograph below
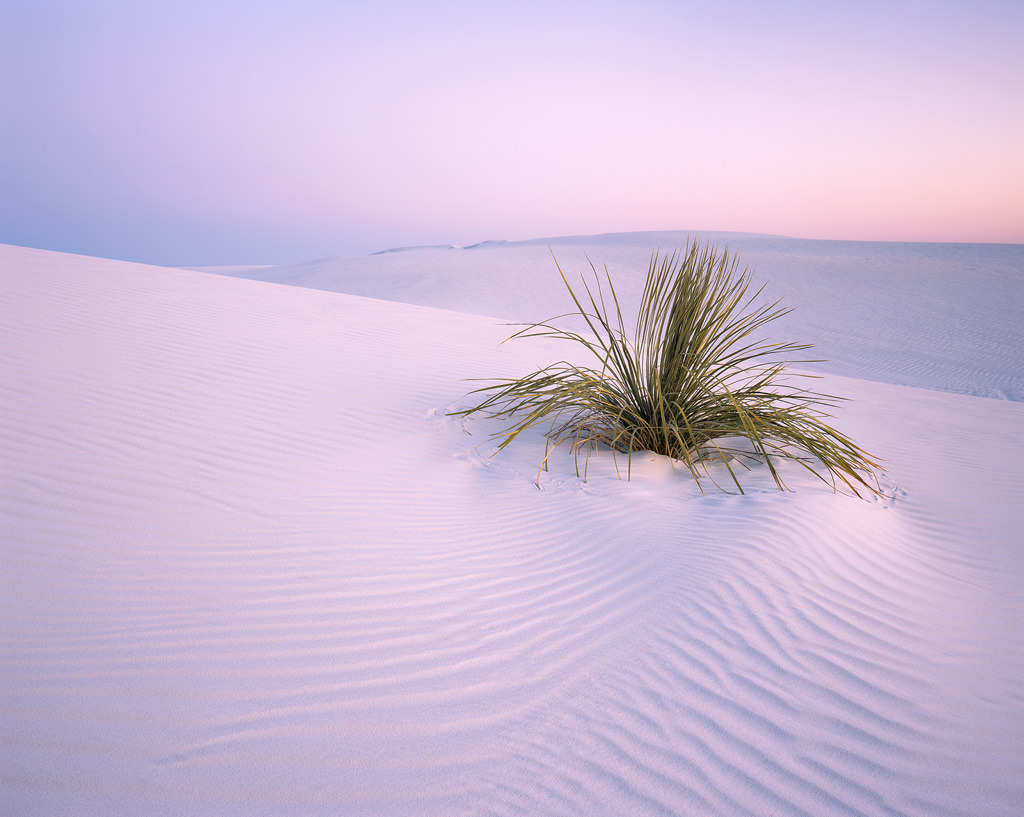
690, 383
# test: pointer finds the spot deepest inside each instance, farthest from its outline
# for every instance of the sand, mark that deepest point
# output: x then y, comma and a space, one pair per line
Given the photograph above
251, 566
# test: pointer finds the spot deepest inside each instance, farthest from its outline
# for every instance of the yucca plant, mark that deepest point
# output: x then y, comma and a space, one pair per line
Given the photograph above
689, 383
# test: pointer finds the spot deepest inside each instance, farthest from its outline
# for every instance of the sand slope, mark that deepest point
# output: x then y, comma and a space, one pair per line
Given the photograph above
251, 567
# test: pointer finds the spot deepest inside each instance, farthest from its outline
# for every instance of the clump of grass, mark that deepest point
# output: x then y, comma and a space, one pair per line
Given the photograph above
689, 382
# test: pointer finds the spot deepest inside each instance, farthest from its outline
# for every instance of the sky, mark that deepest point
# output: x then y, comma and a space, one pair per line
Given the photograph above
202, 132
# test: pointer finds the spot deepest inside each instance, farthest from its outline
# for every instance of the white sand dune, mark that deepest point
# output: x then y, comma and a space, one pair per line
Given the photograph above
934, 316
251, 566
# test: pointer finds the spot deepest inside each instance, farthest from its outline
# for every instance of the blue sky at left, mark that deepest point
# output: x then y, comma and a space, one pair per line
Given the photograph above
269, 132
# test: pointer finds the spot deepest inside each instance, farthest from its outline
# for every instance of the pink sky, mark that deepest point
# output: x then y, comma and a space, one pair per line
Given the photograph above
263, 132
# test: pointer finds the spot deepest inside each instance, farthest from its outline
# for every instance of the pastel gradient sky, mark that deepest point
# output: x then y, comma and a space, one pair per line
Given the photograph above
238, 131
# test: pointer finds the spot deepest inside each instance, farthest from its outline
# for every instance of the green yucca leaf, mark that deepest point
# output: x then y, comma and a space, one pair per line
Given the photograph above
688, 381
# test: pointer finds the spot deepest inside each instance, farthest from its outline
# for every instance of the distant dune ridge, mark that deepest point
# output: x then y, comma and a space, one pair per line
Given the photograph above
962, 301
252, 566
